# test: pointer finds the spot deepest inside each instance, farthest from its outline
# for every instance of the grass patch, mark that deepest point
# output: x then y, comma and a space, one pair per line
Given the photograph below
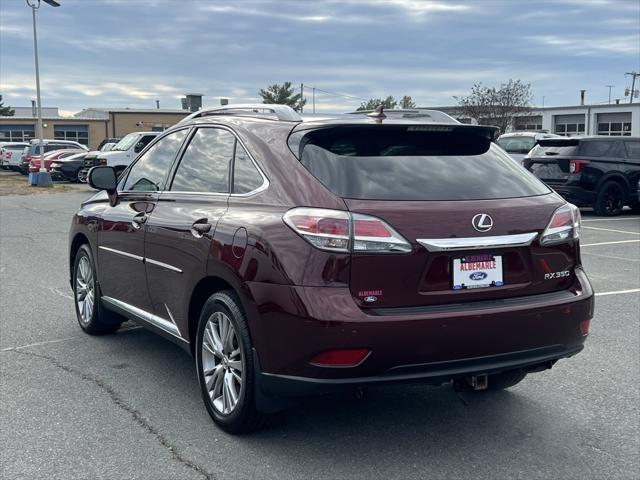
17, 185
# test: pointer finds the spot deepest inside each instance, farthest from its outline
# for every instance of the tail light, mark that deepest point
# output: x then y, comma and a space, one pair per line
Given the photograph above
564, 226
340, 231
575, 166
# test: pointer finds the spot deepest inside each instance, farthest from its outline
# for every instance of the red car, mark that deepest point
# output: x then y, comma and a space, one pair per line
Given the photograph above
34, 164
292, 257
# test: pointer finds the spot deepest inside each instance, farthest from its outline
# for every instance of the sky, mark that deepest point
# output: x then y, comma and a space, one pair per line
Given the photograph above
130, 53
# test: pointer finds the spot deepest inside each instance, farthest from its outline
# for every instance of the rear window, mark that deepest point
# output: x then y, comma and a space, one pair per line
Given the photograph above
517, 144
552, 147
412, 163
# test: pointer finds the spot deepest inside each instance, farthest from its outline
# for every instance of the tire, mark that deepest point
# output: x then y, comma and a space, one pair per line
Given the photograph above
81, 176
229, 365
92, 317
610, 199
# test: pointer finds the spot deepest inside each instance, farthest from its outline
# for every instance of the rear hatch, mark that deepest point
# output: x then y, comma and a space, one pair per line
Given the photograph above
550, 160
448, 192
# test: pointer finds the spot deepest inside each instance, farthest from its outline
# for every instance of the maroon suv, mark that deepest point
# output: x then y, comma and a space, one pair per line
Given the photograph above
292, 257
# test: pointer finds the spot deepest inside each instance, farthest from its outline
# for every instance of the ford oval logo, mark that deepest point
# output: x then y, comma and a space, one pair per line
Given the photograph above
478, 276
370, 299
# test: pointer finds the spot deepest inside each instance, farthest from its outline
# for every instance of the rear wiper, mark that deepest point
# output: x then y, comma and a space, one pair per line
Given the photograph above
551, 153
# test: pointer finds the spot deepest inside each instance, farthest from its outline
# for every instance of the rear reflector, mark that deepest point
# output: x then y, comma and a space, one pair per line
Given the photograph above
340, 358
584, 327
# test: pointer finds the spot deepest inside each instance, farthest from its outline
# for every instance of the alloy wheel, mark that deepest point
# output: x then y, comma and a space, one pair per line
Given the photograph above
85, 291
81, 176
222, 363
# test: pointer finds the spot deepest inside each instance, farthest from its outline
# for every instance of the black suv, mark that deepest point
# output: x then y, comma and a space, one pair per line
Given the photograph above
598, 172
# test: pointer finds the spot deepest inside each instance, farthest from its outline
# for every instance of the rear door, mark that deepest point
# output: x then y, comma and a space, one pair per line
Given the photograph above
180, 229
471, 215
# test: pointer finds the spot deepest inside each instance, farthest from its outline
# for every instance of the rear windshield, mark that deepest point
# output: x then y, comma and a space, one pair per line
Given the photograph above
401, 163
517, 144
552, 147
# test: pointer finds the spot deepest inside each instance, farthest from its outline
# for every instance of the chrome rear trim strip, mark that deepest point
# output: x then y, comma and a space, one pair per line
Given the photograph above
120, 252
150, 318
476, 243
162, 265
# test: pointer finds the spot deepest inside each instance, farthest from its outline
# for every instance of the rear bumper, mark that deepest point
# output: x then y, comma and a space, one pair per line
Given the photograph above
434, 373
432, 344
576, 195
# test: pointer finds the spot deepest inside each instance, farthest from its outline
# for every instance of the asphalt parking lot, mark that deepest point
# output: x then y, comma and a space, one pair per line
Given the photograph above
128, 405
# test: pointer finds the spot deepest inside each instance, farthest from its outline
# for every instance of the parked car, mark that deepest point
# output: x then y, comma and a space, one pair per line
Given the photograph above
293, 257
121, 154
11, 154
107, 147
34, 165
598, 172
69, 168
518, 144
32, 152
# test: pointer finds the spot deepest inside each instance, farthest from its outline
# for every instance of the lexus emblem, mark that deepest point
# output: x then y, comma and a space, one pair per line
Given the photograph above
482, 222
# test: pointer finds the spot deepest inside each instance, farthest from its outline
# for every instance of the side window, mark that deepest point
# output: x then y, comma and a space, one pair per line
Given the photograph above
149, 172
246, 177
205, 164
633, 150
146, 139
595, 148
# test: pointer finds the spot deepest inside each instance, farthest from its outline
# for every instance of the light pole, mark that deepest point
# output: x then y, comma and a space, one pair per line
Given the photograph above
42, 178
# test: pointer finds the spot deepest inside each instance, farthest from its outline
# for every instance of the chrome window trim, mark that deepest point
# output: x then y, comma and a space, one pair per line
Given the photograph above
120, 252
150, 318
162, 265
476, 243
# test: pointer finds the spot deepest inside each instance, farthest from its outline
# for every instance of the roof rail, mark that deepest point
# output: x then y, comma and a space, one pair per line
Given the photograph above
282, 112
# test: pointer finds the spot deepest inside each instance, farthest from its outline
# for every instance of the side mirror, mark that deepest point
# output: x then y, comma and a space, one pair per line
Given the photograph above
103, 178
138, 148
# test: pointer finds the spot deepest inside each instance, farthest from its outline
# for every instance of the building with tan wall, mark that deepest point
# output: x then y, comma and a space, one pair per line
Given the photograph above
90, 126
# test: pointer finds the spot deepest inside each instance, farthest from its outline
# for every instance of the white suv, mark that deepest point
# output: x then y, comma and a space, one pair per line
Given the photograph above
11, 154
518, 144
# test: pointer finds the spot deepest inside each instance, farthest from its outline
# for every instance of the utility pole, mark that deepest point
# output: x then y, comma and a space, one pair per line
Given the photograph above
609, 87
301, 97
633, 84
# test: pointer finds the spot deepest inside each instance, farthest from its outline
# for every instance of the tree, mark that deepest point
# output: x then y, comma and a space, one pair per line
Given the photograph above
498, 106
6, 111
374, 103
283, 95
407, 102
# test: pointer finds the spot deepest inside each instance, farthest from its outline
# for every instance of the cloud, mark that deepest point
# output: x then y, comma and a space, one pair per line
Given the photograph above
589, 45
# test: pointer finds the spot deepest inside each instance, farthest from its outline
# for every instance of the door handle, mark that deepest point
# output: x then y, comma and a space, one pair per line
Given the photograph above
139, 220
200, 227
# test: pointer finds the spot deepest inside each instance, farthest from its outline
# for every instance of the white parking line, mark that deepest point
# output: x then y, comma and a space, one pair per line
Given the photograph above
608, 243
619, 292
614, 257
612, 230
610, 219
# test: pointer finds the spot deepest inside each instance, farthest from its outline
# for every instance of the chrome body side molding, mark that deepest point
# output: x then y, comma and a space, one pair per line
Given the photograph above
166, 266
476, 243
120, 252
154, 320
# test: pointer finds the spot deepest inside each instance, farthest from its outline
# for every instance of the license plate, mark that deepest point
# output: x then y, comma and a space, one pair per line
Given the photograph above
477, 271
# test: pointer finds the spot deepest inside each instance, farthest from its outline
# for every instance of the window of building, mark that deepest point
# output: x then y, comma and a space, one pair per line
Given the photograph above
614, 129
75, 133
16, 133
